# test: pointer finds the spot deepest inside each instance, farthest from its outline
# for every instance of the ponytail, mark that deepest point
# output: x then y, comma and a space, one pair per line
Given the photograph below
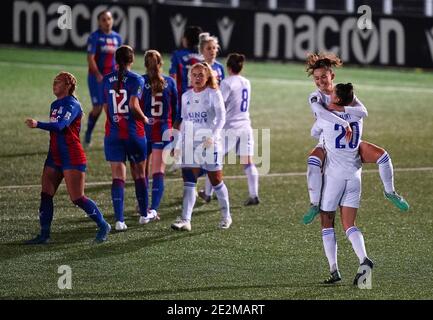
124, 57
153, 63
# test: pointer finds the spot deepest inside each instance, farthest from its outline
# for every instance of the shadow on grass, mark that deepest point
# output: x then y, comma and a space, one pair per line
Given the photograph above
154, 293
85, 248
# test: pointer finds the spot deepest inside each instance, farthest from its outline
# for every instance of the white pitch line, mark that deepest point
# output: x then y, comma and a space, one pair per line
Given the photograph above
306, 83
270, 175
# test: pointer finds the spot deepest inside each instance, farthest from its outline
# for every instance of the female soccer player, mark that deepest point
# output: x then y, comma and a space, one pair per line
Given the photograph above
181, 62
124, 134
321, 67
209, 47
342, 183
203, 117
66, 159
159, 102
101, 46
183, 59
236, 91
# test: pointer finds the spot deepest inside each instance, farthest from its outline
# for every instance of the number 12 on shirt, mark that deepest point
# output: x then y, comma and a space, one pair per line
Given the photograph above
119, 107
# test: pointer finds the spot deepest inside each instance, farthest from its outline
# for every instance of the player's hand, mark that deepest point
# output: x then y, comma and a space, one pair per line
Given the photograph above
348, 133
31, 123
208, 142
146, 120
99, 77
334, 107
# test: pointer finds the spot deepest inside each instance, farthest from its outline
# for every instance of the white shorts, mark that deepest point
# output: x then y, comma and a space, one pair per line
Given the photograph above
198, 157
340, 192
241, 139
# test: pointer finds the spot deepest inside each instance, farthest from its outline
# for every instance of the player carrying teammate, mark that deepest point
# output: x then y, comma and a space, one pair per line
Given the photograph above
342, 182
321, 67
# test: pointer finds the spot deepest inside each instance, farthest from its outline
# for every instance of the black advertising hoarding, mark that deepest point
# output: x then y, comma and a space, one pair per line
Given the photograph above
392, 41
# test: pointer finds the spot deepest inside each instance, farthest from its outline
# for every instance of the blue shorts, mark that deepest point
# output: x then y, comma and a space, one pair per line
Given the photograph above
96, 90
118, 150
50, 163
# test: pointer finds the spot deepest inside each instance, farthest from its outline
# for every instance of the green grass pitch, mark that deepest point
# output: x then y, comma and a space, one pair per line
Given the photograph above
267, 253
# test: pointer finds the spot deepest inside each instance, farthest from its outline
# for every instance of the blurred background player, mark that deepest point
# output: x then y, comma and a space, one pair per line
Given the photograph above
321, 67
125, 136
66, 159
101, 46
236, 92
181, 62
342, 183
203, 111
159, 103
209, 47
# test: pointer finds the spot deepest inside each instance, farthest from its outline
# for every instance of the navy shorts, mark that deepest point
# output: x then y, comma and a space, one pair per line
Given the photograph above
118, 150
96, 90
50, 163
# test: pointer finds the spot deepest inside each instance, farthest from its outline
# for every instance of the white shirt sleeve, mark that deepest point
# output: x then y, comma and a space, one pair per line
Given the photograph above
220, 113
225, 90
322, 113
356, 108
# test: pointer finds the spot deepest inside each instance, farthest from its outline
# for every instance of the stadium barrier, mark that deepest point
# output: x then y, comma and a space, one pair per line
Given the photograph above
357, 38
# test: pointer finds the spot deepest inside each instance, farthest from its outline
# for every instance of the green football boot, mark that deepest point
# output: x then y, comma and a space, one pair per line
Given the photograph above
311, 214
397, 200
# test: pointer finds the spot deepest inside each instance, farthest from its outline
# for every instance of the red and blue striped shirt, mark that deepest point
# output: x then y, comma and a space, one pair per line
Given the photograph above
64, 127
121, 123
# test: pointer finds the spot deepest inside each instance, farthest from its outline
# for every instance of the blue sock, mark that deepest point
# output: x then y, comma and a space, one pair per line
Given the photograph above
91, 209
157, 190
90, 126
117, 193
142, 195
46, 210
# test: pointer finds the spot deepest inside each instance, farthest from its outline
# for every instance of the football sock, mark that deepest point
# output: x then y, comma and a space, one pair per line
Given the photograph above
157, 189
90, 126
208, 189
142, 195
91, 209
330, 246
314, 179
46, 211
117, 194
253, 180
189, 198
223, 199
355, 237
386, 172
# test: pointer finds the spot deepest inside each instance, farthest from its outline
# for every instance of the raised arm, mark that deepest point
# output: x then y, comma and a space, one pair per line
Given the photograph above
356, 108
63, 120
324, 114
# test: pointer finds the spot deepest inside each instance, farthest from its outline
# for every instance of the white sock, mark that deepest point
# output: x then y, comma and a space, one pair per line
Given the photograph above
189, 198
208, 189
355, 237
253, 180
330, 246
223, 199
314, 179
386, 172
